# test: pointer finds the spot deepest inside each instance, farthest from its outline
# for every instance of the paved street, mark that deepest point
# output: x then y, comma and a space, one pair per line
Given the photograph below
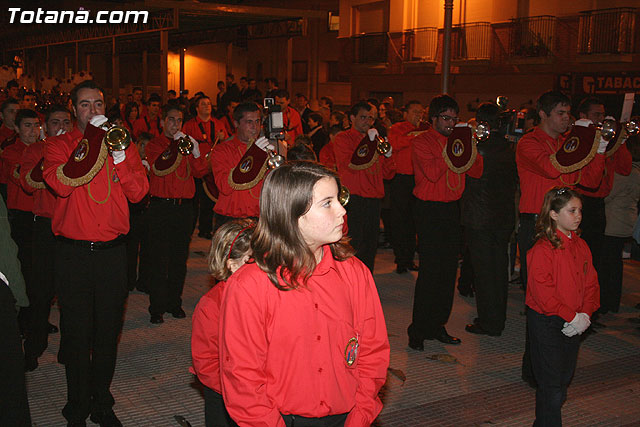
152, 383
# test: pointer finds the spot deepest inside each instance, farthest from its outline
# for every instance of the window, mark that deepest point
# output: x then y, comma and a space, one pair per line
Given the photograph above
334, 21
299, 72
334, 74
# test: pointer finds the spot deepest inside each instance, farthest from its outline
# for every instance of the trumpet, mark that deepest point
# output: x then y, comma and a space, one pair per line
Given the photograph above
481, 131
275, 159
344, 195
383, 145
117, 138
185, 145
608, 128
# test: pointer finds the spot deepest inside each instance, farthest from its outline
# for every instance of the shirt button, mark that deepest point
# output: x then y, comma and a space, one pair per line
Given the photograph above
320, 370
316, 306
318, 337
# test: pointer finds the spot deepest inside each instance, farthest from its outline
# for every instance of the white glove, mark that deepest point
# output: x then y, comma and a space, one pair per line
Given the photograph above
196, 148
581, 322
264, 144
179, 135
98, 121
389, 152
373, 132
118, 156
569, 330
602, 146
42, 134
60, 132
583, 122
145, 163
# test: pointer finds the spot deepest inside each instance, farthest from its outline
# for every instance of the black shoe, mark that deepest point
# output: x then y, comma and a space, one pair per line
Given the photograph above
445, 338
416, 344
475, 328
77, 424
400, 269
178, 313
156, 319
30, 363
53, 329
205, 235
105, 418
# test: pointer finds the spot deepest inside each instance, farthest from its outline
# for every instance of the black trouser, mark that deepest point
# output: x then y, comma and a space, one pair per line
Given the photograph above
202, 209
465, 281
404, 229
594, 222
22, 233
554, 357
138, 269
526, 233
215, 413
439, 233
328, 421
92, 288
488, 248
363, 219
14, 406
41, 288
169, 237
611, 272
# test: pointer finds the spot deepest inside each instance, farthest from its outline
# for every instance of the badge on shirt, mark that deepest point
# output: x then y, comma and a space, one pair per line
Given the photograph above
351, 351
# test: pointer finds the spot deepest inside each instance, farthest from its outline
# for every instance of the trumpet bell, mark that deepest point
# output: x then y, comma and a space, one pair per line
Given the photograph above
117, 138
275, 160
185, 146
383, 146
482, 131
344, 195
502, 102
632, 127
608, 130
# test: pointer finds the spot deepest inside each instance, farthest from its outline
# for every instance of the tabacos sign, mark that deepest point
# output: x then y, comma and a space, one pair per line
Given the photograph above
596, 84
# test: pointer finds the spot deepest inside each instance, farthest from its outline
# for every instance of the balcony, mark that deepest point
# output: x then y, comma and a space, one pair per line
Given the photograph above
421, 44
471, 42
531, 39
607, 32
370, 48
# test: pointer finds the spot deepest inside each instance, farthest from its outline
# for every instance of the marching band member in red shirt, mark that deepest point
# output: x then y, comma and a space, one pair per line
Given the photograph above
230, 250
302, 333
90, 221
236, 203
401, 136
438, 190
57, 121
149, 121
170, 215
562, 294
363, 181
208, 131
8, 136
292, 120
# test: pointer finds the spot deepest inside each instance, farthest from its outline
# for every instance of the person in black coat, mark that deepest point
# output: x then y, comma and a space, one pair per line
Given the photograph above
319, 137
488, 215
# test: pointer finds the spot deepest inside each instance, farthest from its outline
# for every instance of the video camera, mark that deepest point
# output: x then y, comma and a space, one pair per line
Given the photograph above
511, 122
274, 121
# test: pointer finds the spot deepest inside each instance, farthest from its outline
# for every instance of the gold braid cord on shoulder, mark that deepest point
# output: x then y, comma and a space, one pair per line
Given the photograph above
618, 142
102, 202
582, 163
188, 174
86, 178
170, 169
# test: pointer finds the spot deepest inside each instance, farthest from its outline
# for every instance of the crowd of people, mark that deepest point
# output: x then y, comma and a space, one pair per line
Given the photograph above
103, 199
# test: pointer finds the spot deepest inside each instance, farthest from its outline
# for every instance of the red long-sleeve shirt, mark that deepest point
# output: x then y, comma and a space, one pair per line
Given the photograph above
434, 180
147, 124
17, 198
283, 352
6, 133
192, 128
538, 175
234, 203
363, 182
97, 211
619, 163
293, 124
328, 156
562, 281
205, 338
401, 142
178, 184
44, 200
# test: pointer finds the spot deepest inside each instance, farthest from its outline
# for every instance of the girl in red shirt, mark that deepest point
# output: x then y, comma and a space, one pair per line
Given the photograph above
562, 293
230, 250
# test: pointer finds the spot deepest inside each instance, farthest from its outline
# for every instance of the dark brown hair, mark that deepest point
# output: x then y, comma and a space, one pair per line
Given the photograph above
555, 199
278, 246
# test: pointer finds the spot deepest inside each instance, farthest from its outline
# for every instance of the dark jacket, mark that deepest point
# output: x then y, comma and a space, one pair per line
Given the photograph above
489, 201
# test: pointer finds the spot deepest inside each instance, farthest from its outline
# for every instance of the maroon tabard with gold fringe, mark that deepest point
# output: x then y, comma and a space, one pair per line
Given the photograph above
86, 160
250, 169
578, 149
460, 151
365, 154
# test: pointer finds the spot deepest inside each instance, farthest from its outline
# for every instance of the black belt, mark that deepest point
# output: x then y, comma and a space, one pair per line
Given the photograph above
299, 421
170, 201
94, 246
530, 216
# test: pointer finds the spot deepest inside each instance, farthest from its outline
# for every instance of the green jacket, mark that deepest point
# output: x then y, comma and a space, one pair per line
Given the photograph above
9, 264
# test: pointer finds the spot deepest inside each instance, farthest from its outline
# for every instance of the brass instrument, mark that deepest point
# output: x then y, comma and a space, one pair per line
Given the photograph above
117, 138
608, 128
275, 159
383, 145
481, 131
632, 126
185, 145
344, 195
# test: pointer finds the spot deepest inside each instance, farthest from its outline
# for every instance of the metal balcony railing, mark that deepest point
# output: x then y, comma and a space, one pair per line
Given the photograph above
471, 41
607, 31
533, 36
421, 44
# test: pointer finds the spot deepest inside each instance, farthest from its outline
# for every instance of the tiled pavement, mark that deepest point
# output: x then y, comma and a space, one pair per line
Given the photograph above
483, 387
